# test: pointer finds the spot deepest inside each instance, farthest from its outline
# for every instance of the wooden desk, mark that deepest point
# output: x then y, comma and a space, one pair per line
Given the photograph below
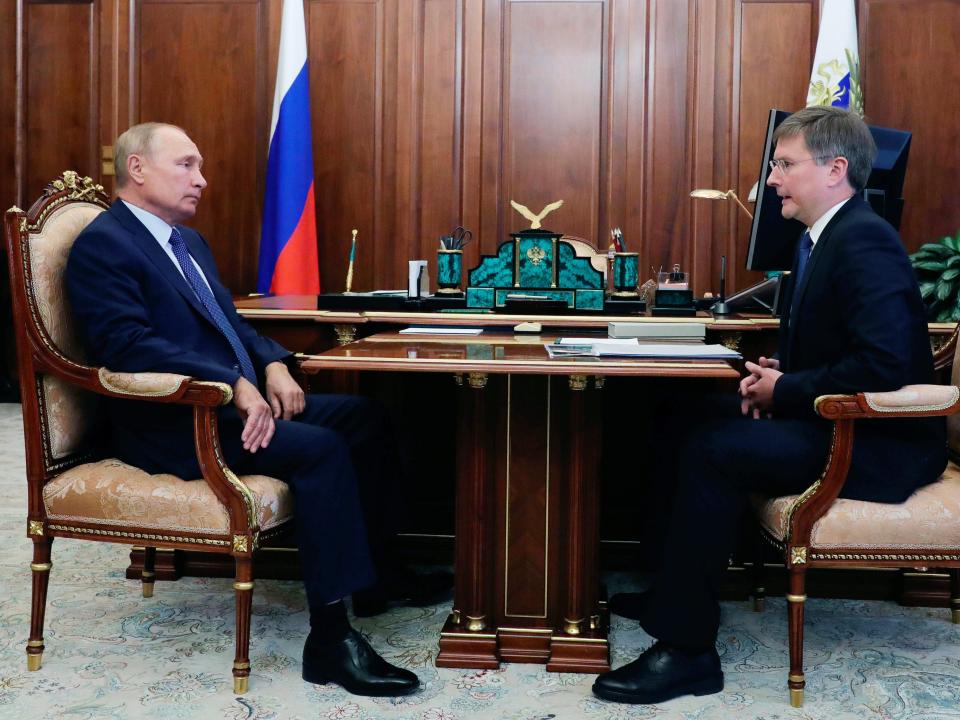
527, 435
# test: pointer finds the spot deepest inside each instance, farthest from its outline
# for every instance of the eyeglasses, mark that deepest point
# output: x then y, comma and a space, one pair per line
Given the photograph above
785, 165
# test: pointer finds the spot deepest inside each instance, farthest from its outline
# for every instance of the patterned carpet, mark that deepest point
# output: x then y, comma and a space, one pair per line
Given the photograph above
112, 654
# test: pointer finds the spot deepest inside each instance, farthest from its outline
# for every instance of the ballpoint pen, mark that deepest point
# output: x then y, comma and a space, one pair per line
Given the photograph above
353, 254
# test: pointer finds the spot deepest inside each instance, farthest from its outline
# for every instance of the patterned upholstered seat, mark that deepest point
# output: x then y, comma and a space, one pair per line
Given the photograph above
73, 491
818, 529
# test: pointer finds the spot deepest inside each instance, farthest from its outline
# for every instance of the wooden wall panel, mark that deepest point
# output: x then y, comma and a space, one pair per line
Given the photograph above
346, 87
911, 80
197, 66
8, 108
553, 113
431, 112
666, 210
60, 91
438, 137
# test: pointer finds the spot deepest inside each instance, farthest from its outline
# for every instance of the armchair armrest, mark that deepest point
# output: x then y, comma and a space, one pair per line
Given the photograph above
908, 401
164, 386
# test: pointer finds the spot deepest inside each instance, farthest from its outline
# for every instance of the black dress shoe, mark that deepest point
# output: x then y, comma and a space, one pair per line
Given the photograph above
630, 605
356, 667
661, 673
404, 588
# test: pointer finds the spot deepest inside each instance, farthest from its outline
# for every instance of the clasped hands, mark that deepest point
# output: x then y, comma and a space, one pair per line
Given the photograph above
756, 390
284, 399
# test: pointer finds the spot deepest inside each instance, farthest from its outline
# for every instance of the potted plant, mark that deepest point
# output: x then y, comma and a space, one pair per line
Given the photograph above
937, 266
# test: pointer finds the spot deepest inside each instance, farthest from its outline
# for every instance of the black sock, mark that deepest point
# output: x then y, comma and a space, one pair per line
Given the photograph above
329, 623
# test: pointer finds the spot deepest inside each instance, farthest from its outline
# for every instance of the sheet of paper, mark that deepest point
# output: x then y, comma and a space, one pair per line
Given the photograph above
673, 350
439, 330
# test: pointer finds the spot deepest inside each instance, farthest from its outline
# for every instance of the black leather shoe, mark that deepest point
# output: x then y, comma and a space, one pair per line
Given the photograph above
630, 605
404, 588
661, 673
356, 667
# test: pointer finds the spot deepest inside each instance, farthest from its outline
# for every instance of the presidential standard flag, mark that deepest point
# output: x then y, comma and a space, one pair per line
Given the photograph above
835, 77
288, 238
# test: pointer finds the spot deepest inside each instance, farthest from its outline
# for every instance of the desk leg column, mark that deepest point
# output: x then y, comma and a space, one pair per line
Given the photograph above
582, 645
467, 639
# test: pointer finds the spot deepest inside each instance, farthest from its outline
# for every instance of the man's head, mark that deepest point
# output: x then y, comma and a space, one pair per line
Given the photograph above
824, 155
158, 168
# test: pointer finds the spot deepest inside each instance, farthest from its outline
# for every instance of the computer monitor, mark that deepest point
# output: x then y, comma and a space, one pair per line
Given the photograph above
884, 189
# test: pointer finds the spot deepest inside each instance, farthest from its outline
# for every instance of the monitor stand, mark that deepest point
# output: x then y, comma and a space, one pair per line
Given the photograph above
764, 296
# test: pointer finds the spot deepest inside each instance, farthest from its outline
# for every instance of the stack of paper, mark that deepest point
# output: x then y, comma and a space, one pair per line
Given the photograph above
631, 347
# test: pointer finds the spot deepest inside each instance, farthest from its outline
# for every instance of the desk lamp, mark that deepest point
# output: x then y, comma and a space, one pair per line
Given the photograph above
720, 195
720, 307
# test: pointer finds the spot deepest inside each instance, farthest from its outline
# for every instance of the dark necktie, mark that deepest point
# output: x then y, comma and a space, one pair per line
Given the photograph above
206, 298
803, 254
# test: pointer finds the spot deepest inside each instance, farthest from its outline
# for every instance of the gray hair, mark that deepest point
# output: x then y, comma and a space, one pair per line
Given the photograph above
137, 140
831, 132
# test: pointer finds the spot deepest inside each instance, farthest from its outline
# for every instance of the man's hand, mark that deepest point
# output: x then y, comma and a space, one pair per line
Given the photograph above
757, 388
257, 417
285, 396
746, 406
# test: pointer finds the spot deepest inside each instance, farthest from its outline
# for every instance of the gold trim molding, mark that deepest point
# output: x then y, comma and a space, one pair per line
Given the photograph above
798, 556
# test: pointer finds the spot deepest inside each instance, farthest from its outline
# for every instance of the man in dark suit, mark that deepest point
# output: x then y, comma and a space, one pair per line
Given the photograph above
146, 294
855, 322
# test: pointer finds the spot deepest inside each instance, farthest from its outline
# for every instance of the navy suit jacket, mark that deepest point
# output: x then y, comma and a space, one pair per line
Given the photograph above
136, 313
858, 324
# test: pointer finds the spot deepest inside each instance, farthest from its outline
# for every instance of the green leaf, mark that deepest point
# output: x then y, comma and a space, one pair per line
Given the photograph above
954, 261
926, 289
936, 250
952, 243
934, 266
945, 289
950, 274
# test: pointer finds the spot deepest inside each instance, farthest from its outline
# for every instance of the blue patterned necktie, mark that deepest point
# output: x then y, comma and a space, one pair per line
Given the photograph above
803, 254
206, 298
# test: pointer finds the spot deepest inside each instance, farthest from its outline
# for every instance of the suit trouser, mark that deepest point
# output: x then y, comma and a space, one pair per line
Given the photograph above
719, 463
340, 460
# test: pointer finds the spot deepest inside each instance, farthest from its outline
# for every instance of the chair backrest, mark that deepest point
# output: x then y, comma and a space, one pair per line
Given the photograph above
58, 415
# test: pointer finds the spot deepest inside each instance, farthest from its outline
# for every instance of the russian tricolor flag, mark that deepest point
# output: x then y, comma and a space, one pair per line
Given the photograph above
288, 239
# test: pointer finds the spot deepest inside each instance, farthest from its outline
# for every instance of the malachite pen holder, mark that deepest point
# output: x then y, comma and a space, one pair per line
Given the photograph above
449, 272
626, 275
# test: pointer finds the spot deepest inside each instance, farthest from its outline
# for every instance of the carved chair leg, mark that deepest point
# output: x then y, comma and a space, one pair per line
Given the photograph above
244, 592
758, 574
147, 575
796, 599
955, 595
40, 568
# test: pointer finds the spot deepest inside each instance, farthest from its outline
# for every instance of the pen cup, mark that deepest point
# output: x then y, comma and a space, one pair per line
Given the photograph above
449, 271
626, 268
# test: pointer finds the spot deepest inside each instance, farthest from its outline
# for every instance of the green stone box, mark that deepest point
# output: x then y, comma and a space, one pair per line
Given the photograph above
535, 264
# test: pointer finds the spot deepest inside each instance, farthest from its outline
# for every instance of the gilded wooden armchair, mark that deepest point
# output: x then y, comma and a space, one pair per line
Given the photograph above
818, 529
74, 491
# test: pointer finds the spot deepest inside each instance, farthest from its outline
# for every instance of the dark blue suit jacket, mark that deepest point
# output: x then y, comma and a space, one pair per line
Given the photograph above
858, 324
136, 313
